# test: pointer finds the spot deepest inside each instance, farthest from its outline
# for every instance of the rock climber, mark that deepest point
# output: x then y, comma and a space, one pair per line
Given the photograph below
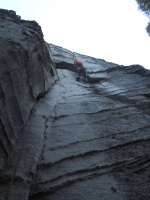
80, 69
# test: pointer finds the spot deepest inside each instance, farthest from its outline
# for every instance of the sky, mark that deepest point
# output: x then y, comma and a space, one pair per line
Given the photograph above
113, 30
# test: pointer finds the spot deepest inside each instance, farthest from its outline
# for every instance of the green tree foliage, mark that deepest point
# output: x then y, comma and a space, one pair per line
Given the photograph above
144, 6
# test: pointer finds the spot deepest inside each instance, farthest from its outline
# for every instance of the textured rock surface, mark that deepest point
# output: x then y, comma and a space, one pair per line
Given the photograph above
84, 141
26, 74
97, 140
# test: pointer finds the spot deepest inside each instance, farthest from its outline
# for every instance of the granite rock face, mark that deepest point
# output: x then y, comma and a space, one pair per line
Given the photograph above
26, 74
97, 140
83, 141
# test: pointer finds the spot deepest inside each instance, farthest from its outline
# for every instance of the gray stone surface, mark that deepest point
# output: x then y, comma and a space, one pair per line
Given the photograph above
97, 140
26, 74
84, 141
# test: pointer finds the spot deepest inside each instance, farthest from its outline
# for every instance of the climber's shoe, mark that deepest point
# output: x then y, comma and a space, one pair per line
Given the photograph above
78, 78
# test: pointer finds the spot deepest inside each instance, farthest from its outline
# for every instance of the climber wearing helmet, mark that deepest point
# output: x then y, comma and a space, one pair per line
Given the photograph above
80, 69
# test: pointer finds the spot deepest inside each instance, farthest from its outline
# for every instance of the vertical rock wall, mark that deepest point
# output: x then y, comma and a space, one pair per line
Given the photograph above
97, 137
81, 141
26, 74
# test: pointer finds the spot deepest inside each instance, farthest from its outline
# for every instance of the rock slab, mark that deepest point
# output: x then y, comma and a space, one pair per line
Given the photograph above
83, 141
27, 73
